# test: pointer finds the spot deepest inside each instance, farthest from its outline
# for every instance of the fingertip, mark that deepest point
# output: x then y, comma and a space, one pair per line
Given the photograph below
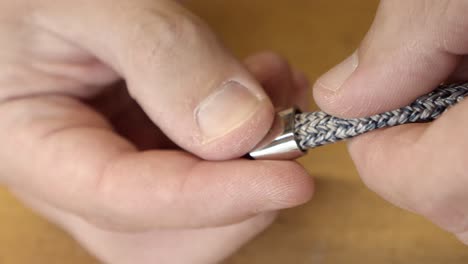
334, 92
327, 100
335, 78
355, 88
292, 185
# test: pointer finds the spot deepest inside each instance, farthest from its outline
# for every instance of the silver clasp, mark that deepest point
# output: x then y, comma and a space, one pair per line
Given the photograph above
280, 142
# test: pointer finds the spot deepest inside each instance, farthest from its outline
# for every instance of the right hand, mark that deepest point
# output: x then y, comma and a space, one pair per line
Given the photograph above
411, 48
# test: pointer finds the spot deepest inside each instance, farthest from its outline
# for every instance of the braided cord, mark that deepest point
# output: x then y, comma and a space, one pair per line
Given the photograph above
318, 128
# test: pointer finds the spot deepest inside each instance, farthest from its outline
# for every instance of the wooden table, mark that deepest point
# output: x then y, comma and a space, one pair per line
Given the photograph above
345, 223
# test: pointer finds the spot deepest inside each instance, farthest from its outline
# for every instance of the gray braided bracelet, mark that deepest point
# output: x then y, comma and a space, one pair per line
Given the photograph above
294, 133
319, 128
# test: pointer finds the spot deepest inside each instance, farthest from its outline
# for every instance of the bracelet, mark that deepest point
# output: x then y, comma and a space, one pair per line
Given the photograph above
293, 132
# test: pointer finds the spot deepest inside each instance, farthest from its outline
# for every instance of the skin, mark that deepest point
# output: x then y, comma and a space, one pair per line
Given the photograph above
411, 47
132, 170
147, 170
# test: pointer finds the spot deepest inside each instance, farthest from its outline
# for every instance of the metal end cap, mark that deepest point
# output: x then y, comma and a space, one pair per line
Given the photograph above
280, 142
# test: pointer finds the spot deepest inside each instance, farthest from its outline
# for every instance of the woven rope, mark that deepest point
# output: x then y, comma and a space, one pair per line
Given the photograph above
318, 128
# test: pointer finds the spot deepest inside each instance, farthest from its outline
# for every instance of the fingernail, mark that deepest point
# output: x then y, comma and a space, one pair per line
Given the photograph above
225, 110
334, 79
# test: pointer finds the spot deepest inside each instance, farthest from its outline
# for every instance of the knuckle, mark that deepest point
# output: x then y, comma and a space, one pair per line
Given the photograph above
157, 34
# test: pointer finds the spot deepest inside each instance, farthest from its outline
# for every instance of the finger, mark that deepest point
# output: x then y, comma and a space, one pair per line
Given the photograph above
411, 48
161, 246
78, 164
186, 82
303, 96
420, 167
285, 86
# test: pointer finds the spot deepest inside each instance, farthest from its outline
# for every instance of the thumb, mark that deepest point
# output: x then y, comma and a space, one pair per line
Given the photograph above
175, 68
411, 48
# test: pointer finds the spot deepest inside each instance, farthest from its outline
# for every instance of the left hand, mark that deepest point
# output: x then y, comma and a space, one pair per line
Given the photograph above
197, 245
124, 122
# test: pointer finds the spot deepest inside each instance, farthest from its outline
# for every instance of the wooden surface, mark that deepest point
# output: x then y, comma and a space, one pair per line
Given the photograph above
345, 223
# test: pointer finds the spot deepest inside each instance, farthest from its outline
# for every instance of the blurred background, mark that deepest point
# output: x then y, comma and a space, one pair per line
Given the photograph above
345, 222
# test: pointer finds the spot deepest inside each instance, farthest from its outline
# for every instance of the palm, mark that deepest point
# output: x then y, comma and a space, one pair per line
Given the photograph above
128, 119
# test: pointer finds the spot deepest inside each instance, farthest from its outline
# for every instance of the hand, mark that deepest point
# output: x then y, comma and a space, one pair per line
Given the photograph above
411, 48
98, 156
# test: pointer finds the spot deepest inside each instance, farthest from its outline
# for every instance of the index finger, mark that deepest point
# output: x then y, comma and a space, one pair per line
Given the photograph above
77, 163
